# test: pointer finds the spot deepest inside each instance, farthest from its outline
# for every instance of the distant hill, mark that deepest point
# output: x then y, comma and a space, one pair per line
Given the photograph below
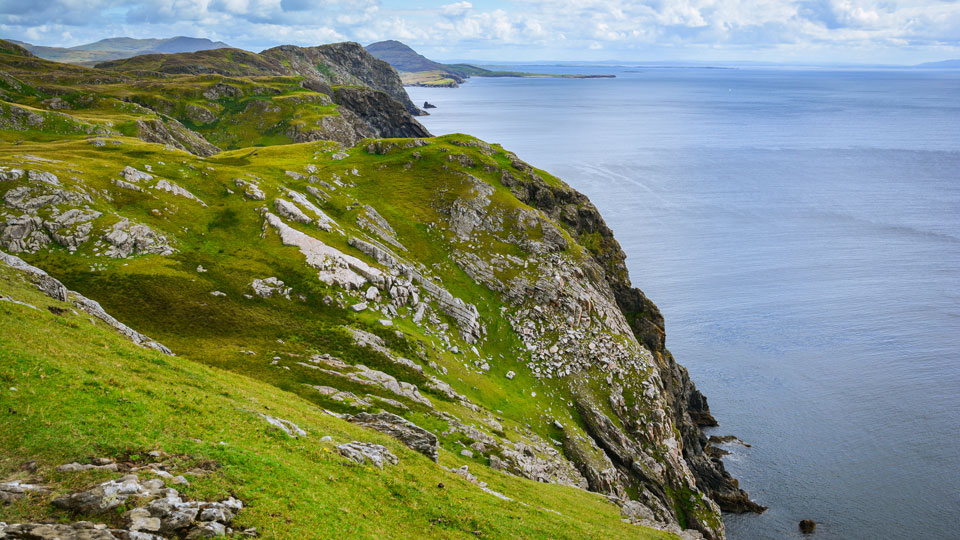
9, 47
943, 64
418, 70
121, 47
402, 57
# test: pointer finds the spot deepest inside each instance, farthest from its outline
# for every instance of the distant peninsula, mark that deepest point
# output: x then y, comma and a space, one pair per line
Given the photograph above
418, 70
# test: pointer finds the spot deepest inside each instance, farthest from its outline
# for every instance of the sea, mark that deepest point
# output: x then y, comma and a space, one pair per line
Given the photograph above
800, 231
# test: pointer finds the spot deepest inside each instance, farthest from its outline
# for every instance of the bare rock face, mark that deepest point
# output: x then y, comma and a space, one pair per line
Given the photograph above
688, 408
385, 116
401, 429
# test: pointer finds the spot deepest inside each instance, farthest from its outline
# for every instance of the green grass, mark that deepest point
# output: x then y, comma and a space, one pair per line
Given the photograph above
83, 391
253, 116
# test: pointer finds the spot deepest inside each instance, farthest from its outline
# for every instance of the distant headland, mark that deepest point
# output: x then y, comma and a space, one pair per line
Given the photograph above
418, 70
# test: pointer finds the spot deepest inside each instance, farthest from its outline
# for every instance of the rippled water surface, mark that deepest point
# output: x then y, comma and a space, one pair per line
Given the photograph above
800, 231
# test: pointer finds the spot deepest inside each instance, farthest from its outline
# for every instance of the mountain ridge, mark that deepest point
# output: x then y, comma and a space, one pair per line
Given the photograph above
121, 47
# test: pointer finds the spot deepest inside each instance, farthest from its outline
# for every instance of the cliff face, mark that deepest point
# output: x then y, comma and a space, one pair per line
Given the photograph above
368, 93
437, 290
344, 64
688, 408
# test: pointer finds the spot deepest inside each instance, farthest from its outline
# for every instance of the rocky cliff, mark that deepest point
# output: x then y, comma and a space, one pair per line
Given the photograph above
352, 95
436, 290
688, 408
344, 64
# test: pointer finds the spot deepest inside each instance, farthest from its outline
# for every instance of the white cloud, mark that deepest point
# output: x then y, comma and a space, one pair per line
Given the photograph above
514, 29
457, 9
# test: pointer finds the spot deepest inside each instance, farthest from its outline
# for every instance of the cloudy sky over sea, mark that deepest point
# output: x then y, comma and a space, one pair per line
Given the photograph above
864, 31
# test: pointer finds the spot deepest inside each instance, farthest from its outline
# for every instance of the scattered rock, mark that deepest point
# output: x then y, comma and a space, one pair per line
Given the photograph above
464, 471
401, 429
344, 397
286, 426
109, 495
75, 467
11, 491
133, 175
511, 374
808, 526
81, 530
290, 211
128, 238
8, 174
170, 187
267, 287
250, 189
127, 185
365, 452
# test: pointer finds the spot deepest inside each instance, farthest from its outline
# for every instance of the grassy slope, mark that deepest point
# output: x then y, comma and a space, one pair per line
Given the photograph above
166, 297
81, 390
259, 111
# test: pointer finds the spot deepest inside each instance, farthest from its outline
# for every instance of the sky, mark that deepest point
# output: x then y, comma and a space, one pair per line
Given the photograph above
782, 31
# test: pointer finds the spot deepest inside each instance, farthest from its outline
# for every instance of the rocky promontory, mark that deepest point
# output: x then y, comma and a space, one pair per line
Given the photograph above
426, 327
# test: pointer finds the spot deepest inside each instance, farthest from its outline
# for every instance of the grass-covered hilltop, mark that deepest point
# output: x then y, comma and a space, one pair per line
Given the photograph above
249, 294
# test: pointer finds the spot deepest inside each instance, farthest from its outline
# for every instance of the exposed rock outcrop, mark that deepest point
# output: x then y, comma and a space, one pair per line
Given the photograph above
172, 133
401, 429
375, 454
385, 116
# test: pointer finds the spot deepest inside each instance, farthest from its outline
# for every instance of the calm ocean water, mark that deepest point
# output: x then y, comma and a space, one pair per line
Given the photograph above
800, 231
